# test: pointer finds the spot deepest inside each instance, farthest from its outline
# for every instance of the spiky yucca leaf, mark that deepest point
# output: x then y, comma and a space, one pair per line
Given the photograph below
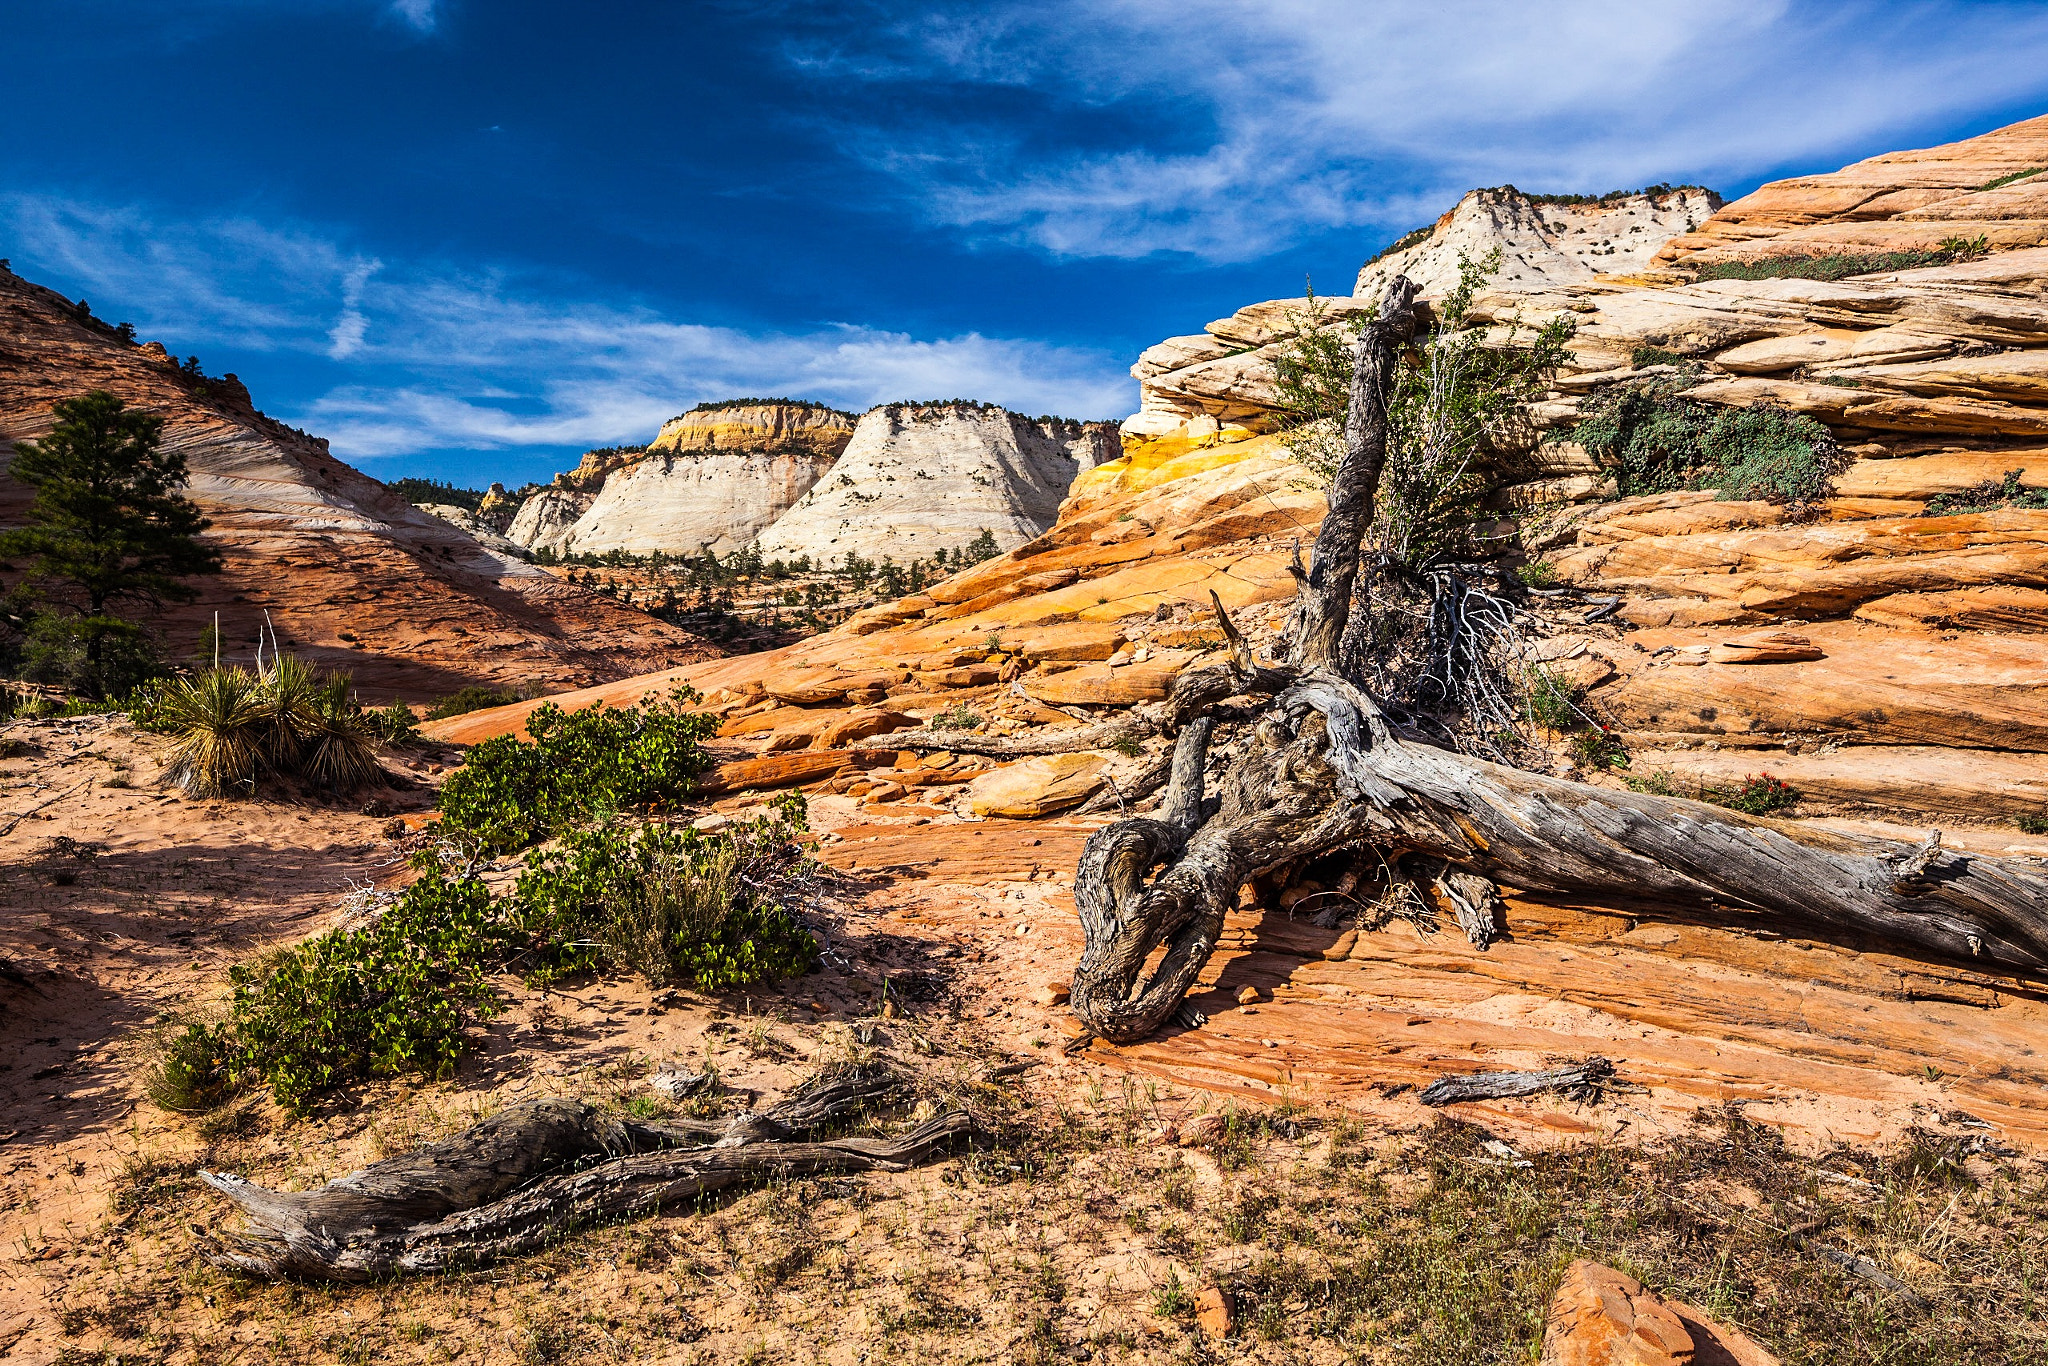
293, 690
337, 750
222, 719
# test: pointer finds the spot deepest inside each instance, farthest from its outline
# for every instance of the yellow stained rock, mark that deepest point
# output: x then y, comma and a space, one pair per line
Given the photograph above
1037, 787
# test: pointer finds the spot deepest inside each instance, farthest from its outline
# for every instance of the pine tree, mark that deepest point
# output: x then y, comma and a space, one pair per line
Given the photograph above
106, 527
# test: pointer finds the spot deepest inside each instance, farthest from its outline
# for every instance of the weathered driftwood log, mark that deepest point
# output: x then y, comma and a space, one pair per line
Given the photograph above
1322, 770
1581, 1081
527, 1176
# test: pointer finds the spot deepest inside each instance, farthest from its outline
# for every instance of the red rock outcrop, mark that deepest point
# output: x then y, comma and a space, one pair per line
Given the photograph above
352, 576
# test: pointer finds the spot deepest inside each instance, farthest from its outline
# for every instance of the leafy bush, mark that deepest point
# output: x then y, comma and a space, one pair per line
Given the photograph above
1598, 747
674, 904
393, 996
959, 716
1658, 441
2032, 823
596, 762
1645, 356
469, 699
1988, 496
1840, 265
1551, 702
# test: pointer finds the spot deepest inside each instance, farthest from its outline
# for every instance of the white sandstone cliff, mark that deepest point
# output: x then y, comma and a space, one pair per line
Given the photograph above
916, 480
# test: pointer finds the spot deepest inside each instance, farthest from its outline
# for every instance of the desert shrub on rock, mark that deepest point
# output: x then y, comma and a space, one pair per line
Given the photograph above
471, 698
674, 904
578, 766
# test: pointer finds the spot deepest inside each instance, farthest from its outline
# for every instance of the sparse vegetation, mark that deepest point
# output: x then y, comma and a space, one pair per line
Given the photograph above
469, 698
2010, 178
1989, 496
1645, 356
421, 492
671, 903
233, 726
1657, 440
1841, 265
959, 716
1758, 795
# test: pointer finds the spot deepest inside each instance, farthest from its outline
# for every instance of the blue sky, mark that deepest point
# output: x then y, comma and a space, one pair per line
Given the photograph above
469, 238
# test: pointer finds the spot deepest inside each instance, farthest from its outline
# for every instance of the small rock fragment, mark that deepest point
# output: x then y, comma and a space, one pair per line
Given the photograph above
1249, 995
1216, 1311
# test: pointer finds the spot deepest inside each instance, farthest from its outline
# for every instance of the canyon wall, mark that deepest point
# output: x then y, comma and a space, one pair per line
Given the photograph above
711, 479
919, 479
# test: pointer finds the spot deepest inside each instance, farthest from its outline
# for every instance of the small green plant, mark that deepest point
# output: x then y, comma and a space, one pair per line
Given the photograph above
959, 716
190, 1070
468, 699
234, 725
1171, 1298
2032, 823
1758, 795
394, 996
579, 765
1841, 265
1598, 748
1645, 356
994, 642
2011, 177
1551, 701
1988, 496
1537, 573
395, 724
1128, 746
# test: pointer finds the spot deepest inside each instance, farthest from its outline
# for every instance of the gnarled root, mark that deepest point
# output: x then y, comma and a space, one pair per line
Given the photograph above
527, 1176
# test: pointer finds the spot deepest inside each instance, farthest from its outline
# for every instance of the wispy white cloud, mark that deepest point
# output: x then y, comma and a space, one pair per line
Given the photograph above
433, 357
421, 14
1256, 124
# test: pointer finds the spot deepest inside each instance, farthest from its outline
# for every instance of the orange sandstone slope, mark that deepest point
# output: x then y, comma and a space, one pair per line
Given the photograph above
351, 575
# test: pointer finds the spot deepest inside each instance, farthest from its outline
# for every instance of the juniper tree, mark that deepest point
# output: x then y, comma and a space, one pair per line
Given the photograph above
107, 529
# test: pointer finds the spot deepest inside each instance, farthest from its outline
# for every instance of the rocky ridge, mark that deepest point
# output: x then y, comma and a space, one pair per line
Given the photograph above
352, 576
917, 479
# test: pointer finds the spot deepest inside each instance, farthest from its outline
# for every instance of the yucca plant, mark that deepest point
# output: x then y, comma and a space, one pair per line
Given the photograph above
293, 690
223, 719
336, 742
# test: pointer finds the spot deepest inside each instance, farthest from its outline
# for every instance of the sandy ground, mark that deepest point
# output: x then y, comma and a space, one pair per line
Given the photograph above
122, 903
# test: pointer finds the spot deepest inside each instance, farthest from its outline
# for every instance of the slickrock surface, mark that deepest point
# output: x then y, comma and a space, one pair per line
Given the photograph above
712, 478
1901, 201
478, 530
1830, 1040
915, 480
351, 575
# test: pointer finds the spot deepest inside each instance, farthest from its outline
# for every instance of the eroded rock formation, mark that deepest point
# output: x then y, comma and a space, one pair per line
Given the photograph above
712, 479
918, 479
351, 575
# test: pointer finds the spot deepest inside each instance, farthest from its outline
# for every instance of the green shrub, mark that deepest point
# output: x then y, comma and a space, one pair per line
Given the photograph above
2033, 823
674, 904
1598, 747
1759, 795
190, 1071
1841, 265
580, 765
1537, 573
1658, 441
469, 699
337, 738
959, 716
1988, 496
395, 724
1645, 356
2011, 177
1550, 701
393, 996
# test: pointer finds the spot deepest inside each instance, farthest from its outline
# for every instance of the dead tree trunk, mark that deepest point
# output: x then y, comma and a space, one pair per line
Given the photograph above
525, 1177
1323, 771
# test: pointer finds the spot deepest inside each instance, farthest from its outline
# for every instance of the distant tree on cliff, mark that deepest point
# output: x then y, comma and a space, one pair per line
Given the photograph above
982, 547
107, 528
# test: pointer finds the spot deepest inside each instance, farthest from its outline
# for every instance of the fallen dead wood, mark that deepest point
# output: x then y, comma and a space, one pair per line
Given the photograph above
1584, 1082
527, 1176
1317, 767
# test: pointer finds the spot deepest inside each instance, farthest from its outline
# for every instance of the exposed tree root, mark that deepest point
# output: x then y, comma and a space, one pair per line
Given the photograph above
527, 1176
1322, 769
